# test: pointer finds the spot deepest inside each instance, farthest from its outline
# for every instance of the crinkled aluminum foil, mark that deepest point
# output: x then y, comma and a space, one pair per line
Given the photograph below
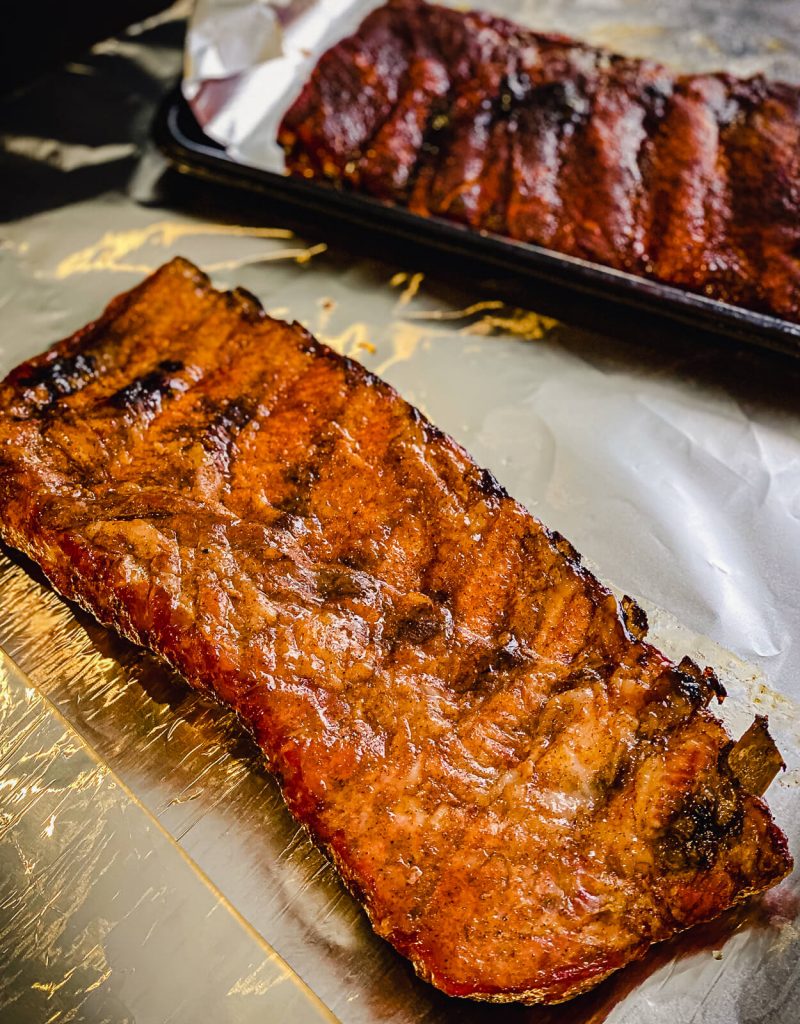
97, 901
674, 468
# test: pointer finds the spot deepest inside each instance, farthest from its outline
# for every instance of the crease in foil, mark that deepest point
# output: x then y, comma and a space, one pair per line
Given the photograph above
247, 60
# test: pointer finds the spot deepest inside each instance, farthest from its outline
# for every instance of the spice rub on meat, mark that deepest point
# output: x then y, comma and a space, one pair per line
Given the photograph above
690, 179
522, 792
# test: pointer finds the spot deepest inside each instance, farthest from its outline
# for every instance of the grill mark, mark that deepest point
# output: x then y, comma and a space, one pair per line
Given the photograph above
346, 416
227, 422
303, 475
146, 394
119, 341
608, 164
286, 401
78, 363
687, 177
59, 378
478, 71
545, 118
203, 412
765, 198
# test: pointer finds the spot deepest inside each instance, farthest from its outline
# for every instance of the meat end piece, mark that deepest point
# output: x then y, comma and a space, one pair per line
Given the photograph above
353, 91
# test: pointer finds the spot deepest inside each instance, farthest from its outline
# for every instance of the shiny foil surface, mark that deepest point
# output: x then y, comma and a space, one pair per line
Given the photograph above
672, 465
96, 899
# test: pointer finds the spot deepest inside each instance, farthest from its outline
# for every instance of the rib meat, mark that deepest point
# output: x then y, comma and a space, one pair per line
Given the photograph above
690, 179
523, 793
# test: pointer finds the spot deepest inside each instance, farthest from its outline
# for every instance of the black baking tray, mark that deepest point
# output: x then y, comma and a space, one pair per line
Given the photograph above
587, 292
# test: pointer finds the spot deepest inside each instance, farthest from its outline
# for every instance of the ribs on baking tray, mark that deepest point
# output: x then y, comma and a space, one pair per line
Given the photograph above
522, 792
690, 179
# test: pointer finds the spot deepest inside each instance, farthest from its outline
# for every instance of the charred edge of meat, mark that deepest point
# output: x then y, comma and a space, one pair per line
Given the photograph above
705, 822
354, 372
563, 546
246, 304
188, 269
714, 684
308, 344
635, 618
430, 432
145, 393
60, 377
696, 685
491, 486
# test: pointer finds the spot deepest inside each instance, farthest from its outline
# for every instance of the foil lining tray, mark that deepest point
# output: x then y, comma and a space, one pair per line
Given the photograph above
674, 470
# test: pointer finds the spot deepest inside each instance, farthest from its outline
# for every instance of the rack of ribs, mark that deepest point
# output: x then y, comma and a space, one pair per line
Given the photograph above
690, 179
521, 791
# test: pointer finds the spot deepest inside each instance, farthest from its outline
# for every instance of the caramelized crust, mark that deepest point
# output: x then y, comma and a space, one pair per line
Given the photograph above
522, 792
690, 179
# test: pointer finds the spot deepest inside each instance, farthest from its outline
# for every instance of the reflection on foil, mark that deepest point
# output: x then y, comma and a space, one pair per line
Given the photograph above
93, 893
412, 284
109, 253
406, 334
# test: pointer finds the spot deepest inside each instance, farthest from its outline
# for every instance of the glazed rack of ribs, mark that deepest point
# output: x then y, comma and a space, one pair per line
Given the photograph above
522, 792
693, 180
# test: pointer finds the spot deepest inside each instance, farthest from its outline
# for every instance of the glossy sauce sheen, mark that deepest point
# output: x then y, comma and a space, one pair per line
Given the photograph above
522, 792
690, 179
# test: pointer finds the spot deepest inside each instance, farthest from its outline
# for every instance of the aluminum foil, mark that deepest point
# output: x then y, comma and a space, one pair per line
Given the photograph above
247, 60
673, 467
97, 900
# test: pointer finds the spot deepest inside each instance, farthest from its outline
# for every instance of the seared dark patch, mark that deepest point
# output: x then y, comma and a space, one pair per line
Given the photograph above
635, 618
146, 393
703, 824
226, 421
61, 377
